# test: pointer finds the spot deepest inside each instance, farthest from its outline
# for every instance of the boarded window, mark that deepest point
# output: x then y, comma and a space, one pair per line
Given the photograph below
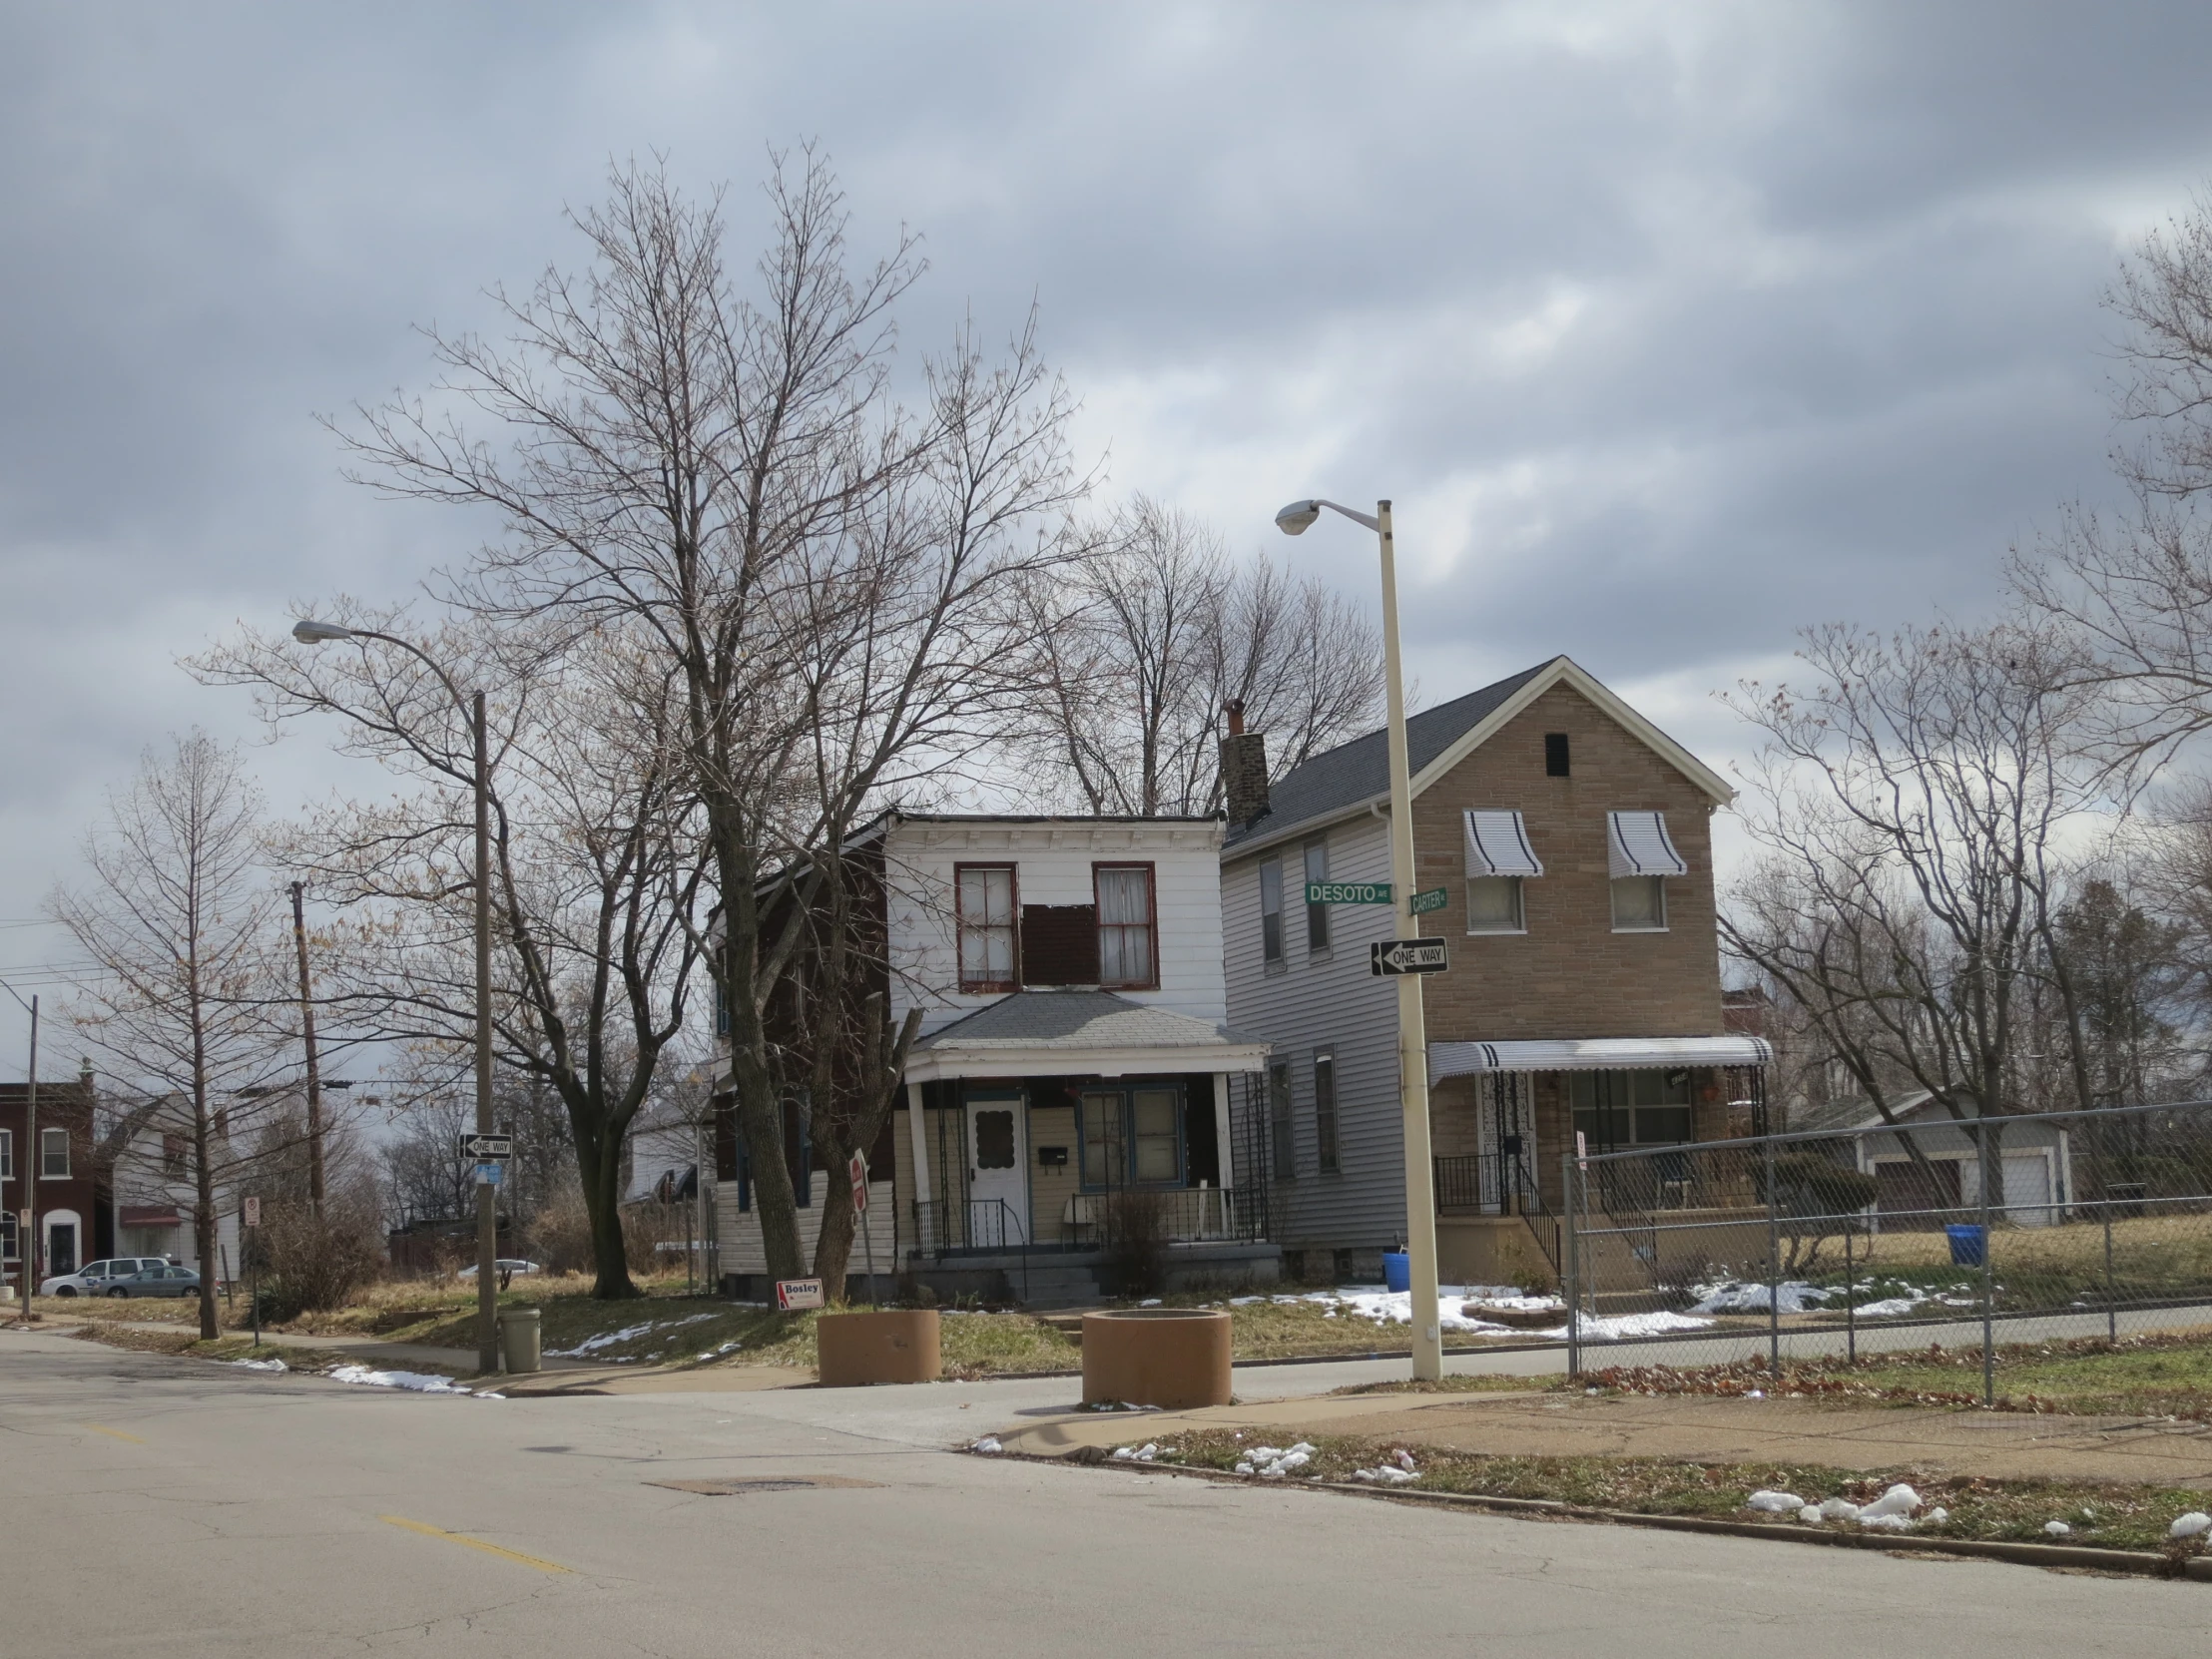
1059, 944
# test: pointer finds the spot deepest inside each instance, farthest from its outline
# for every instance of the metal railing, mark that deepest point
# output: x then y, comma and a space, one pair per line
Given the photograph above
1970, 1232
1497, 1184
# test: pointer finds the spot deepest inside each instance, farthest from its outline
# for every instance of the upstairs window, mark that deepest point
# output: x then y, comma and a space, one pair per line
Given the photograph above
1640, 857
1271, 913
173, 1155
1555, 754
1317, 916
53, 1163
985, 900
1499, 859
7, 1154
1126, 957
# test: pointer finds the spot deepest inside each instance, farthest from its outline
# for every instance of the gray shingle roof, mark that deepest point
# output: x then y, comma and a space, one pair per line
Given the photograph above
1076, 1019
1361, 770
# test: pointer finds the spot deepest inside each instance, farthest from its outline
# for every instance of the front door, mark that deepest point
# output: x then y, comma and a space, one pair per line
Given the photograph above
61, 1247
998, 1168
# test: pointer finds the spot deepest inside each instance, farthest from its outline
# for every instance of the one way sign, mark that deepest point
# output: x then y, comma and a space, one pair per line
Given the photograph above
1406, 956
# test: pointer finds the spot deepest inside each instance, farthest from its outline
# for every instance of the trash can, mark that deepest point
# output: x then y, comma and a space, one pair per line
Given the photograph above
1969, 1246
1397, 1270
518, 1339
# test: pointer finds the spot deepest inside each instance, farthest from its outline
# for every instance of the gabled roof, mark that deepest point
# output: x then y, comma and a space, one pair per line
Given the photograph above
1353, 775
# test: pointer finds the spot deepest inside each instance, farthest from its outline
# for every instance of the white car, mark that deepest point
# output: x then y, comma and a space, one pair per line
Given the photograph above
98, 1278
506, 1267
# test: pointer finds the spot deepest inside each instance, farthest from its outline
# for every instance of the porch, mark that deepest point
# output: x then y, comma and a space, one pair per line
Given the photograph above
1059, 1142
1504, 1117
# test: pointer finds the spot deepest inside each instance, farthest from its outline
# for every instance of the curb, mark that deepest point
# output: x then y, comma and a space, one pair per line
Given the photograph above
2143, 1563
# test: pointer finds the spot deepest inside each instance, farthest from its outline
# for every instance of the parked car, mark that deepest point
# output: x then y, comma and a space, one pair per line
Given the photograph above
160, 1281
93, 1278
507, 1268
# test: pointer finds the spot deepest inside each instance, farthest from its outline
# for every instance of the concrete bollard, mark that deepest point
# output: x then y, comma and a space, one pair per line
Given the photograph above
1171, 1358
899, 1345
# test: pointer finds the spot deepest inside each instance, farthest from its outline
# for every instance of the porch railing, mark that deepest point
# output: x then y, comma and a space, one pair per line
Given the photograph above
1489, 1183
1095, 1220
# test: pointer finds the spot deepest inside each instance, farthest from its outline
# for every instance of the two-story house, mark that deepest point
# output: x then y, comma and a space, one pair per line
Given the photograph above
157, 1196
1569, 836
59, 1177
1073, 1047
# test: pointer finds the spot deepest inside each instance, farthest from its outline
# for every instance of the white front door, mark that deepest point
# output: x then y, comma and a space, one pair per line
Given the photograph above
998, 1168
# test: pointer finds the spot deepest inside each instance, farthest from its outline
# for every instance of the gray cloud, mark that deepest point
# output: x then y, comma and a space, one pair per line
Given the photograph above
1667, 328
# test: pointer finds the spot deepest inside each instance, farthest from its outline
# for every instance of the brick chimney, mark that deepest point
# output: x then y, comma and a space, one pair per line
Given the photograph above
1243, 769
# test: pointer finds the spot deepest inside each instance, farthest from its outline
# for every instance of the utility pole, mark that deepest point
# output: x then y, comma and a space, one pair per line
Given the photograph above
27, 1225
307, 1027
487, 1194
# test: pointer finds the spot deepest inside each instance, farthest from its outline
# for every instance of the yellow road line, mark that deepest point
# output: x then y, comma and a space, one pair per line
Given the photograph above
103, 1429
429, 1531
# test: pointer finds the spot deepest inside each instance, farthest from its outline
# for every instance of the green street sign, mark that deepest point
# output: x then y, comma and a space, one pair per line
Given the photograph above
1347, 893
1424, 902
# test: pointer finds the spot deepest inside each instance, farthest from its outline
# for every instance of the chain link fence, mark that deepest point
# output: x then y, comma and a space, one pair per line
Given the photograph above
1963, 1234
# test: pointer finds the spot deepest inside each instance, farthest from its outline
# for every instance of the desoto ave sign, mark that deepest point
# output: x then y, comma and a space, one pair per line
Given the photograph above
1406, 956
1347, 893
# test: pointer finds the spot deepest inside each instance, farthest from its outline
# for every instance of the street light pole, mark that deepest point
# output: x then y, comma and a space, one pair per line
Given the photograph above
487, 1195
1413, 1034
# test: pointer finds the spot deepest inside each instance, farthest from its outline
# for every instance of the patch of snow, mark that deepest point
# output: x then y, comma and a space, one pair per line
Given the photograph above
1244, 1469
1733, 1296
1774, 1503
1900, 1499
1245, 1301
988, 1445
1756, 1393
1839, 1508
2189, 1525
1890, 1307
628, 1334
259, 1365
1936, 1517
1149, 1302
1888, 1524
2057, 1530
416, 1380
1811, 1516
1599, 1327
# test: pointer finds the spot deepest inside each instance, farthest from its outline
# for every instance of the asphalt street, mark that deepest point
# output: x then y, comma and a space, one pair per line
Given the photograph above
163, 1507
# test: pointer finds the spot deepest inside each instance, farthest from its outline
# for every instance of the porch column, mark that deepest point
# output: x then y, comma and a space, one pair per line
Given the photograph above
919, 1145
1221, 1130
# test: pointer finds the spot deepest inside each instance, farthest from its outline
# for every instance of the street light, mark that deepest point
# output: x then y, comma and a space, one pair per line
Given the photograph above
1412, 1036
488, 1225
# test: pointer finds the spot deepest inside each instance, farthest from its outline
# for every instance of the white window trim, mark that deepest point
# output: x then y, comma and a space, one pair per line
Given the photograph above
45, 1174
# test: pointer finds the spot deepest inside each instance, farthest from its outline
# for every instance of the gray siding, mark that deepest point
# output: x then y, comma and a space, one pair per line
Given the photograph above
1314, 1001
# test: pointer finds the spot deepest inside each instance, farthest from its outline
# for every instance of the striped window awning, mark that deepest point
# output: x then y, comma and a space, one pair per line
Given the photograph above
1636, 844
1497, 844
1595, 1054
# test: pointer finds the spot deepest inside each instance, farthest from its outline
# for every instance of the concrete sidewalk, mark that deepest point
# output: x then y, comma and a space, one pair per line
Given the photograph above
1692, 1429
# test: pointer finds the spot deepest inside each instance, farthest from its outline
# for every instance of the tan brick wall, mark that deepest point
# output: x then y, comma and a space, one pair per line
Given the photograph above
1570, 974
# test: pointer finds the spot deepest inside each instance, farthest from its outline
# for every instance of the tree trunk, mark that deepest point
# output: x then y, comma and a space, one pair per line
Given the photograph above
203, 1225
599, 1174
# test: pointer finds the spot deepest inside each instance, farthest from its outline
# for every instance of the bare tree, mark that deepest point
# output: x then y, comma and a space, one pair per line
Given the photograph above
183, 922
1136, 653
1910, 808
599, 871
822, 572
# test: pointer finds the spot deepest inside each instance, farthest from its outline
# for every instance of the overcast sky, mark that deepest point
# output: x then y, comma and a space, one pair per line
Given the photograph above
1668, 328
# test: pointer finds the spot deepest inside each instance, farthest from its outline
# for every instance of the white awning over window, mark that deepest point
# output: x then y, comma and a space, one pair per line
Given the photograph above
1497, 844
1636, 844
1595, 1054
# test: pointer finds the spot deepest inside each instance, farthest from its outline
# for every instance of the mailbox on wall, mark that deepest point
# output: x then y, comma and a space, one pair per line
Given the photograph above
1052, 1157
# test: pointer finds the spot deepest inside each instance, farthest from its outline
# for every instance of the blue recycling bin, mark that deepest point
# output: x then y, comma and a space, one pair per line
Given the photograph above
1397, 1270
1969, 1246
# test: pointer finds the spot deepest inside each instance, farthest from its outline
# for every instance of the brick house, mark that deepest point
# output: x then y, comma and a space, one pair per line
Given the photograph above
1570, 837
75, 1220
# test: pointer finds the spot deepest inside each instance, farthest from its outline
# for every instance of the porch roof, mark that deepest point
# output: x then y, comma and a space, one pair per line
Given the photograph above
1080, 1033
1594, 1054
